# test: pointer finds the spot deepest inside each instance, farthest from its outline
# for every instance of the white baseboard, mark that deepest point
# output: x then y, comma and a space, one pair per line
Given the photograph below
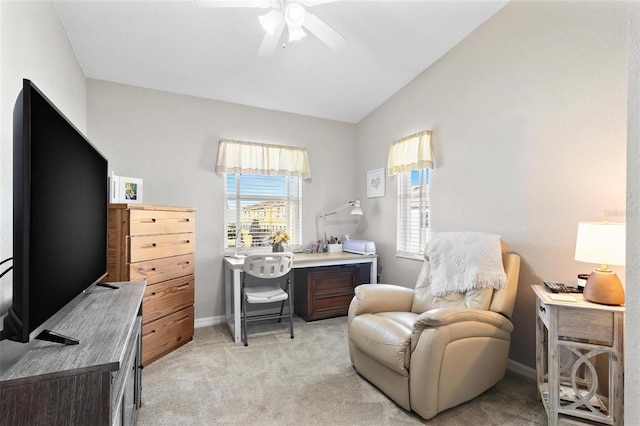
205, 322
521, 369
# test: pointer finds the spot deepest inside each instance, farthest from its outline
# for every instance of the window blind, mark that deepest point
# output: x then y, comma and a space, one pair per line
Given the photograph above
413, 213
257, 206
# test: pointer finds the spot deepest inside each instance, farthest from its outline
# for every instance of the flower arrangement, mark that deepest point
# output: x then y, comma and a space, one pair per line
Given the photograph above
279, 237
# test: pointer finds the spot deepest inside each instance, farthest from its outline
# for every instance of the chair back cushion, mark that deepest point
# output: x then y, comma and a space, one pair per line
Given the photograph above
501, 301
268, 265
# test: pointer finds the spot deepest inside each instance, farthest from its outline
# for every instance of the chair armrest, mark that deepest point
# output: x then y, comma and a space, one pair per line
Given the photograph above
447, 316
374, 298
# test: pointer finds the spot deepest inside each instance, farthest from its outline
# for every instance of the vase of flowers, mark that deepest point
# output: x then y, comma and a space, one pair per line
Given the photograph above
278, 240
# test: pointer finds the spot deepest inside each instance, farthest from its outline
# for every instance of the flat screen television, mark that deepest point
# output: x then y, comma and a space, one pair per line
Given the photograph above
60, 201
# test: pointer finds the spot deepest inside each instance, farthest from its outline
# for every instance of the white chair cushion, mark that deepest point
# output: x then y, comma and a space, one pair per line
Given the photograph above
265, 294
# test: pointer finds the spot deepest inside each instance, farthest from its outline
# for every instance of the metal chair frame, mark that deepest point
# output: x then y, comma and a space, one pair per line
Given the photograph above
267, 266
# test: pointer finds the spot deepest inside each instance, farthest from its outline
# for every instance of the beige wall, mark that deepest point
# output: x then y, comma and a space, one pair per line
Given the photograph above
529, 128
171, 142
528, 116
33, 45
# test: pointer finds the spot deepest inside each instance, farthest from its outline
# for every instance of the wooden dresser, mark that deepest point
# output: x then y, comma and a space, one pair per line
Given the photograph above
324, 292
156, 244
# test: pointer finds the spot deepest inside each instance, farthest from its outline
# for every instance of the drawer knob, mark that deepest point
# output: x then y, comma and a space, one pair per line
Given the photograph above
543, 309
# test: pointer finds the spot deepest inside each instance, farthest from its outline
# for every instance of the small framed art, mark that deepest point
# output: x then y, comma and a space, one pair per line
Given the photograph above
375, 183
125, 189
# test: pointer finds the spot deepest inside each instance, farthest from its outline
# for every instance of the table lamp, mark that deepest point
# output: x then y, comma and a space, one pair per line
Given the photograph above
602, 243
357, 210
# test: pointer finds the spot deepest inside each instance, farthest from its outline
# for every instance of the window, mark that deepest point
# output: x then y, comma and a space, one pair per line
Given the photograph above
258, 205
263, 192
413, 212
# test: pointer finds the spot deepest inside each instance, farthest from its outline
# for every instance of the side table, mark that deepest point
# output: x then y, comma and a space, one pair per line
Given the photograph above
573, 338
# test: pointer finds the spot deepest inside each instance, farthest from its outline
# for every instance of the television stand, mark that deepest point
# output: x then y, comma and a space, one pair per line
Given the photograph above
95, 382
52, 336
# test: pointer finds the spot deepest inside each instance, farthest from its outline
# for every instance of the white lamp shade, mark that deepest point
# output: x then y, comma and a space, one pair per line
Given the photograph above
601, 243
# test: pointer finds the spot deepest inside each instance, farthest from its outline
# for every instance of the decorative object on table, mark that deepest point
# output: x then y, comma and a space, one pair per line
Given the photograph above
581, 281
602, 243
365, 247
334, 245
124, 189
375, 183
278, 240
356, 210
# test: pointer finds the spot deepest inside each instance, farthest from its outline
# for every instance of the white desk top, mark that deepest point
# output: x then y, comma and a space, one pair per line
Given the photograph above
304, 260
580, 301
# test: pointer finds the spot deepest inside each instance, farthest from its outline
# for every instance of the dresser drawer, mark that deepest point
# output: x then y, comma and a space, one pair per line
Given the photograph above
157, 246
166, 297
153, 222
166, 268
587, 324
166, 334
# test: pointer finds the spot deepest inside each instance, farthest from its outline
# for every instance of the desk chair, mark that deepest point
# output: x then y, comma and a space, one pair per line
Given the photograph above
268, 267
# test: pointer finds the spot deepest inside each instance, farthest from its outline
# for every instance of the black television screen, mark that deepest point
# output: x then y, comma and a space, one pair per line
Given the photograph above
60, 197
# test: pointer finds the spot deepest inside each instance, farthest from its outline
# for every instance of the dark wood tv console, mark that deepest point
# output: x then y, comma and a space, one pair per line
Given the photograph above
97, 382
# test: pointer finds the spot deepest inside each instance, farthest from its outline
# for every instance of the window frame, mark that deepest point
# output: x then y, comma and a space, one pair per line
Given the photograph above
411, 244
292, 212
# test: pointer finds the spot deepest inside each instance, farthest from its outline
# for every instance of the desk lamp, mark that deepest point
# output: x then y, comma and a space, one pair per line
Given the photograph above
357, 210
602, 243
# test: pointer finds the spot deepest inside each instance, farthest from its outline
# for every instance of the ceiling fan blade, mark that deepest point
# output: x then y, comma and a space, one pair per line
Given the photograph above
311, 3
270, 42
237, 3
324, 32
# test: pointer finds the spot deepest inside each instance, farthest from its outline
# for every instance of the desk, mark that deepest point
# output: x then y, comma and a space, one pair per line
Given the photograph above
233, 269
572, 337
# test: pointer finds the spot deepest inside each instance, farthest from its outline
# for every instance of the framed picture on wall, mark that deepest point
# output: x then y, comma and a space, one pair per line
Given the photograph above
375, 183
125, 189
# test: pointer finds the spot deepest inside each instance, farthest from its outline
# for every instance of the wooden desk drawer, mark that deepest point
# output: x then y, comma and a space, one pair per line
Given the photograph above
154, 222
157, 246
324, 293
166, 268
332, 306
166, 334
166, 297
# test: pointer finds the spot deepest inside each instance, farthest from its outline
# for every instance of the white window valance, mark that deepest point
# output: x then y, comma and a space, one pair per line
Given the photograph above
264, 159
410, 153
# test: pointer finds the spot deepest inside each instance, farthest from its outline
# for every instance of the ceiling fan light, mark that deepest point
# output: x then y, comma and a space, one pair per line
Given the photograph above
294, 15
270, 21
296, 33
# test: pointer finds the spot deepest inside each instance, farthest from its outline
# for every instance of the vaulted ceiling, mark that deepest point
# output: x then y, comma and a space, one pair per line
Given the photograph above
182, 47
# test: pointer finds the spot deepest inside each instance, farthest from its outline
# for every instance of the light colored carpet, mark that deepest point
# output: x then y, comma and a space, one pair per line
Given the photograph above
308, 380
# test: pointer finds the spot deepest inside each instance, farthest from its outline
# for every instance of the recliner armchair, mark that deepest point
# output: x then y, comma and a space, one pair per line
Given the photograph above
431, 353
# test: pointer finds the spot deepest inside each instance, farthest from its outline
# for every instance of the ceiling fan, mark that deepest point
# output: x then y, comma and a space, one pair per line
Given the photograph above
291, 15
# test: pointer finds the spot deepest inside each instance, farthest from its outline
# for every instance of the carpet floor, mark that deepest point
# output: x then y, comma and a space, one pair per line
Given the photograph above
308, 380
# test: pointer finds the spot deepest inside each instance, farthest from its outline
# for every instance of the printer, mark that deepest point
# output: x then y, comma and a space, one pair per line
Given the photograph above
359, 246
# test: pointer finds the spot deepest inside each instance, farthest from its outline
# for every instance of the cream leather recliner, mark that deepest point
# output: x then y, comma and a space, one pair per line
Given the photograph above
431, 353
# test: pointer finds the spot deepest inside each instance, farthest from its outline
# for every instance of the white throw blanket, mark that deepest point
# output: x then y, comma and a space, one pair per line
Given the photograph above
462, 261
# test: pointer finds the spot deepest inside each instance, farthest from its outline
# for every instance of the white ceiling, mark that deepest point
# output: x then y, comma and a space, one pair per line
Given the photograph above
182, 47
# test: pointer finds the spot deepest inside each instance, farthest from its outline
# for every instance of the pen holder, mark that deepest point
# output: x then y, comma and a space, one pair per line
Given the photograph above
334, 248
